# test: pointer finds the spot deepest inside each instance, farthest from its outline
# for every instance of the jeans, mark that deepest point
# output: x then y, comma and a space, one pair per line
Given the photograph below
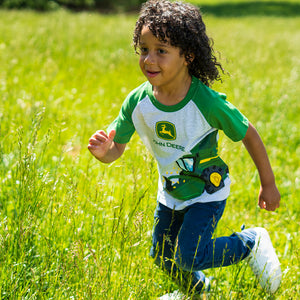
183, 244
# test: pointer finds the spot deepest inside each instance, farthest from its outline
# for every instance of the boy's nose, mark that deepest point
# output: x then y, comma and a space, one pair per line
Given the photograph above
149, 59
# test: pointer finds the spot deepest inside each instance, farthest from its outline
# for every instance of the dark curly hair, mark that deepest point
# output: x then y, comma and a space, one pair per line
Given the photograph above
181, 24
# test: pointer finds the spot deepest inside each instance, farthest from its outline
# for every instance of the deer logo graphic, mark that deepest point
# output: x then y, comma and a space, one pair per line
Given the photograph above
166, 130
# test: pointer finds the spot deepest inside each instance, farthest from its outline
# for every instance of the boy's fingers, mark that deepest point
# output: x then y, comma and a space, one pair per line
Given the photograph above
262, 204
270, 206
112, 134
99, 136
101, 133
92, 141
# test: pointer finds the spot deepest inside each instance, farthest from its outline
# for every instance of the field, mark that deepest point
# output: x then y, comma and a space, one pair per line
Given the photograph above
73, 228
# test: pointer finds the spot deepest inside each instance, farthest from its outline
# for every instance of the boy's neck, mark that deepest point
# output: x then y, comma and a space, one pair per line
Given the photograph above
172, 95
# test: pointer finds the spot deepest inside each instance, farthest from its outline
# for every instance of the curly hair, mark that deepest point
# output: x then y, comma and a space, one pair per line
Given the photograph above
182, 26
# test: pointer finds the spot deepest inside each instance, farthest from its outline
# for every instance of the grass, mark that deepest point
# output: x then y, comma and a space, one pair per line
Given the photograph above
72, 228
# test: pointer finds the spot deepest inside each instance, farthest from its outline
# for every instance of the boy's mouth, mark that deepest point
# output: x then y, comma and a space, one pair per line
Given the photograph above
151, 74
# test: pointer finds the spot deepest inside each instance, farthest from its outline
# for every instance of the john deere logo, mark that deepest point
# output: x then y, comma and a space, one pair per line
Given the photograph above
165, 130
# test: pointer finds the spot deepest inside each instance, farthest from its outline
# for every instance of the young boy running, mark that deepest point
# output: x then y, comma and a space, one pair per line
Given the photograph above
177, 115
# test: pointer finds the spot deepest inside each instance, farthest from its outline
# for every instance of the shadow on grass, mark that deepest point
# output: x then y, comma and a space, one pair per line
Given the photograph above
253, 8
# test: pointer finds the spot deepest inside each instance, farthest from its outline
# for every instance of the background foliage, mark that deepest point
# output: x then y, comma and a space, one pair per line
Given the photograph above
73, 4
224, 8
72, 228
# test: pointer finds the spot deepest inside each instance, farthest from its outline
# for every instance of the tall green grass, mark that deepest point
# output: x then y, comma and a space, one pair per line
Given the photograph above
72, 228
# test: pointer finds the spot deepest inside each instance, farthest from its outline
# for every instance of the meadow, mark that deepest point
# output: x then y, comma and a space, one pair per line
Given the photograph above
73, 228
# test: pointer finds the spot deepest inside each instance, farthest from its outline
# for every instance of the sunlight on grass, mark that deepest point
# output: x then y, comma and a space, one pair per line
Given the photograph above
72, 228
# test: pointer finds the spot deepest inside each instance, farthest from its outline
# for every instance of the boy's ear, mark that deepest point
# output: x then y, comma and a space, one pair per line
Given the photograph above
189, 58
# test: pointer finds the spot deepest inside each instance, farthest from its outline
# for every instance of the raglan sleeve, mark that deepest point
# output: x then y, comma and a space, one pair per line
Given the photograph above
123, 123
226, 117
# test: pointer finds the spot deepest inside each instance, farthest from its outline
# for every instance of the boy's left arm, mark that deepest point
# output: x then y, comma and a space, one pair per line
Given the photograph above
269, 196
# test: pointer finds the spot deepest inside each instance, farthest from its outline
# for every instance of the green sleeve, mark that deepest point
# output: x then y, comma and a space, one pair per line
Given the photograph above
225, 116
221, 114
123, 123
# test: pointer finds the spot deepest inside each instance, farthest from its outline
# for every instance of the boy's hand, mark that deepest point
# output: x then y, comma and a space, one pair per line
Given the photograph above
269, 197
100, 143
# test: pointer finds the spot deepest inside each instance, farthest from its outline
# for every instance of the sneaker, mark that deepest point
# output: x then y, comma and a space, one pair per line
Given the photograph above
177, 295
264, 261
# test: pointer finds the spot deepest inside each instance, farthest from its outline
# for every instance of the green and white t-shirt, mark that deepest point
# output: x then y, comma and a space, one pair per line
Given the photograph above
183, 138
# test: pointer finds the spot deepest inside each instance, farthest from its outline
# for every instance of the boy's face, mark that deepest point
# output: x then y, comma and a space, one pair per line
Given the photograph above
161, 63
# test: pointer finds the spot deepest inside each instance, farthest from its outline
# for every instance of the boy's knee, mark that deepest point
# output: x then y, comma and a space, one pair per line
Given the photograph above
155, 253
188, 261
184, 261
161, 258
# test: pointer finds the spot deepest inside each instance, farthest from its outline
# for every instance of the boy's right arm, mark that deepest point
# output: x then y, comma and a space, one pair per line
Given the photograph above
103, 147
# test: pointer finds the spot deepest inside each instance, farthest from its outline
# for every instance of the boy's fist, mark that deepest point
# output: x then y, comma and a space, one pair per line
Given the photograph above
100, 143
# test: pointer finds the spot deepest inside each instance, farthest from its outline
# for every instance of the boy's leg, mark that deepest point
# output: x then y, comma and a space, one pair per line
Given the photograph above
167, 224
196, 248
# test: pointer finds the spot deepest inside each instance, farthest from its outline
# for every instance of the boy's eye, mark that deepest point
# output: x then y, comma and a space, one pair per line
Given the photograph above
162, 51
143, 50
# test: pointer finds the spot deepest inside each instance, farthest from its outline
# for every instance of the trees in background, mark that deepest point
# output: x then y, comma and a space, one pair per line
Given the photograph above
72, 4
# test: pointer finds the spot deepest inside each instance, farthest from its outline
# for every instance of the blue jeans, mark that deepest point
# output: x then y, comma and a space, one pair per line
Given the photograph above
183, 244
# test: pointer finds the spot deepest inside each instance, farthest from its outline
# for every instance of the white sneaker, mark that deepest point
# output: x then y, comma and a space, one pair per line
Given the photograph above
177, 295
264, 261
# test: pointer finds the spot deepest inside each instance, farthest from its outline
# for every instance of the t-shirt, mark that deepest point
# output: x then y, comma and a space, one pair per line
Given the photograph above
183, 138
